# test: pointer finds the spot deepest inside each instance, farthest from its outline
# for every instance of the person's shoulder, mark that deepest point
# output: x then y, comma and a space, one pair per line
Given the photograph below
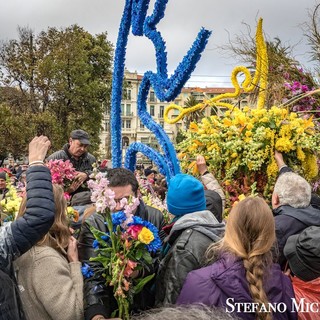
91, 157
45, 252
58, 155
201, 275
95, 220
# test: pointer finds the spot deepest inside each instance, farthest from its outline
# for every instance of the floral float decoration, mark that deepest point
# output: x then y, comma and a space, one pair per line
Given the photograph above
240, 145
166, 88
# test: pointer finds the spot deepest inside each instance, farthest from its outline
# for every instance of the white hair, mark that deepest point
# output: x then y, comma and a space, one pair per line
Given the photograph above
187, 312
293, 190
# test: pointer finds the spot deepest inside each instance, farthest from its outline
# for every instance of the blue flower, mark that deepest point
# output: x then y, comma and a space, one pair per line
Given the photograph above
95, 244
86, 271
105, 238
155, 244
118, 218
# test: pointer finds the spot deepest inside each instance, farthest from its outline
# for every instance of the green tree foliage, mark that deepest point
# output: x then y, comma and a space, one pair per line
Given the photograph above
59, 80
193, 116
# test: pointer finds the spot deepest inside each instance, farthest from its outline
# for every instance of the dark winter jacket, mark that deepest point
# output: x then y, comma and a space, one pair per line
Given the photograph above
188, 240
82, 196
98, 299
83, 164
290, 221
19, 236
224, 283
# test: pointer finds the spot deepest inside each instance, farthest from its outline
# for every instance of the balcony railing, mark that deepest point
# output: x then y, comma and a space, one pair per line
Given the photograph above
127, 114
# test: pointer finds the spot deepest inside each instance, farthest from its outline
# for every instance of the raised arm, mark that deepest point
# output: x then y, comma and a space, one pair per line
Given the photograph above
36, 222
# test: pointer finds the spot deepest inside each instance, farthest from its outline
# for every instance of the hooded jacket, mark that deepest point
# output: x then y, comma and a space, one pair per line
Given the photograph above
187, 242
290, 221
224, 284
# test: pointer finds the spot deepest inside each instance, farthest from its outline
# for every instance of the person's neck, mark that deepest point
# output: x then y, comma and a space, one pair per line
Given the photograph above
72, 155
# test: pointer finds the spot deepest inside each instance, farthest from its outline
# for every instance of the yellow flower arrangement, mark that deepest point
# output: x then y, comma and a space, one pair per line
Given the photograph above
10, 204
241, 144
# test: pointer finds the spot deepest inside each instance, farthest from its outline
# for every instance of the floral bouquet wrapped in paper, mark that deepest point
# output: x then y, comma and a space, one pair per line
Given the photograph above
126, 248
239, 148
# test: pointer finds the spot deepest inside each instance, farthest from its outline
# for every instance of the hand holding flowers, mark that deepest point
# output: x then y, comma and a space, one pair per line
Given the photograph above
124, 252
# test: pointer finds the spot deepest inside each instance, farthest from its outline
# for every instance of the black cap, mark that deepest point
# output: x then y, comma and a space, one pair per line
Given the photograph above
303, 253
80, 135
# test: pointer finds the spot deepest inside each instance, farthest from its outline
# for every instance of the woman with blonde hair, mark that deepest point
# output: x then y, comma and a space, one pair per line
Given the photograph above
243, 278
49, 274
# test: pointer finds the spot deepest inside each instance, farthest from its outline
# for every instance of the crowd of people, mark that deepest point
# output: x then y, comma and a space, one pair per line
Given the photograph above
262, 262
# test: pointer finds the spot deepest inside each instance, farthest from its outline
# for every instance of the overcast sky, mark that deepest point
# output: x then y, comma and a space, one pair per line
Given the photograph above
183, 19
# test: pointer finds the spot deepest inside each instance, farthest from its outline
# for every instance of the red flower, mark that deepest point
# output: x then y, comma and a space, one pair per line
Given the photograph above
134, 231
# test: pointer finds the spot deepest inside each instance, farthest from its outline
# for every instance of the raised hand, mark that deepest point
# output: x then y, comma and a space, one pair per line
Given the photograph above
38, 148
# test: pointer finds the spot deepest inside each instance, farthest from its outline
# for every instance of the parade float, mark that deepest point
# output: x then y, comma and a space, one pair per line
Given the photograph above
239, 146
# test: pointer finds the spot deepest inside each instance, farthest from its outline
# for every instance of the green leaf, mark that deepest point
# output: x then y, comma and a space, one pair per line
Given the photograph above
139, 286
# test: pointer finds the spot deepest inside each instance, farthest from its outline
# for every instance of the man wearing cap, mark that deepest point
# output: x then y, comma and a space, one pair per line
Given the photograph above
82, 160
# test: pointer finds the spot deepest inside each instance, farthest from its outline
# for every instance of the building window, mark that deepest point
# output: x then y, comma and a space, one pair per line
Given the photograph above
161, 112
152, 110
162, 124
152, 97
125, 141
145, 141
107, 127
122, 124
141, 125
128, 110
122, 108
129, 94
128, 124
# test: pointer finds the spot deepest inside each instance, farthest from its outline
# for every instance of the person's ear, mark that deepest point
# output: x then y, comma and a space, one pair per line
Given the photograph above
275, 200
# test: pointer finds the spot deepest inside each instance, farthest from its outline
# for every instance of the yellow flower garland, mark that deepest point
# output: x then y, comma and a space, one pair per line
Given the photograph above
248, 85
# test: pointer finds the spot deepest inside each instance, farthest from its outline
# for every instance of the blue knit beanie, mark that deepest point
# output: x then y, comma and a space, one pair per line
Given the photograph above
185, 195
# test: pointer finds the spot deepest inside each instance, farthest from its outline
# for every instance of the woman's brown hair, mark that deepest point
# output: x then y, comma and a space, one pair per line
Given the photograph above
250, 235
59, 233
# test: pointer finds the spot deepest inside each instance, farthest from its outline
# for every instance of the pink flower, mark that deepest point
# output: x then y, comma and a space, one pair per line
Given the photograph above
129, 268
134, 231
62, 172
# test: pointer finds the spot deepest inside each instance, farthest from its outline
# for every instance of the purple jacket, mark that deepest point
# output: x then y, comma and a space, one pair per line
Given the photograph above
224, 284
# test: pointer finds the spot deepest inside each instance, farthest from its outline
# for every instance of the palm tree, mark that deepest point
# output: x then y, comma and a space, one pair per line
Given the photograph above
195, 116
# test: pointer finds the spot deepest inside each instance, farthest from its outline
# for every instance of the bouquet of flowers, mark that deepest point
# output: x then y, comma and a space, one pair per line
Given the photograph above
152, 199
72, 214
239, 147
127, 246
10, 204
62, 172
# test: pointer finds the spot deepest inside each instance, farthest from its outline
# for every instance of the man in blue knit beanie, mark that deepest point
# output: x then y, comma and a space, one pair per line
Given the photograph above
185, 195
194, 228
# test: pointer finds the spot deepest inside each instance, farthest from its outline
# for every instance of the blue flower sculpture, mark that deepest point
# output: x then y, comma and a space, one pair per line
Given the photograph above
166, 88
